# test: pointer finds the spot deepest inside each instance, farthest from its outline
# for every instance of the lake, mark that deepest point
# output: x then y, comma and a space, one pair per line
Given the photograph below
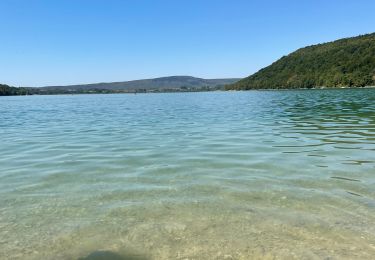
216, 175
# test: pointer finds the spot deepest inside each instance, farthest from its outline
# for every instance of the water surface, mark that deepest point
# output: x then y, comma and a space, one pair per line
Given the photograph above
220, 175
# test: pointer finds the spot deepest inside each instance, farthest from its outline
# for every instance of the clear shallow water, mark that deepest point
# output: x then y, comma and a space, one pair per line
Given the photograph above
234, 175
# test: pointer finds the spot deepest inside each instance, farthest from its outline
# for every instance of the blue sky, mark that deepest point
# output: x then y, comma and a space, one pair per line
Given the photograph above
51, 42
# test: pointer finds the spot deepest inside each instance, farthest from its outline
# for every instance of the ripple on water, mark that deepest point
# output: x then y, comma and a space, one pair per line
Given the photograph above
287, 174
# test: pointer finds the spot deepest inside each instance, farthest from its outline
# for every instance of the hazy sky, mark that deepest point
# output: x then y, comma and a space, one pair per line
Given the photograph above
55, 42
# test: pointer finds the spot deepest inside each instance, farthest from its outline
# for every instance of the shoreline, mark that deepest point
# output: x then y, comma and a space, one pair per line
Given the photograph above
205, 91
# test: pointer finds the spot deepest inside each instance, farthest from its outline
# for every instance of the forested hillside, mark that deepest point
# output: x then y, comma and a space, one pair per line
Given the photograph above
348, 62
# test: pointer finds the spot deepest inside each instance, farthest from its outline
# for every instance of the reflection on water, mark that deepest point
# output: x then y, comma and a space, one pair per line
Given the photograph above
257, 174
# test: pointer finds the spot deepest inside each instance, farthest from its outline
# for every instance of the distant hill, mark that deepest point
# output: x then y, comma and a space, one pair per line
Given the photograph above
348, 62
174, 83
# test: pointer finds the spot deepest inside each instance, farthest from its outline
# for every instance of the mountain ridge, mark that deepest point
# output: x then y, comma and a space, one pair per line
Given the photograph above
161, 83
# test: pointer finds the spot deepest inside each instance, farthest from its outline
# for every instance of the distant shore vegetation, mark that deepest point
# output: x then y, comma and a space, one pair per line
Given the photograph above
6, 90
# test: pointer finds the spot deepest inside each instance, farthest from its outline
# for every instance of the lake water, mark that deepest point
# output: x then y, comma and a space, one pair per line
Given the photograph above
219, 175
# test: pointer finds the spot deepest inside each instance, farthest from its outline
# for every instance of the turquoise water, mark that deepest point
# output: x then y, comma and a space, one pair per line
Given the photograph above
219, 175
